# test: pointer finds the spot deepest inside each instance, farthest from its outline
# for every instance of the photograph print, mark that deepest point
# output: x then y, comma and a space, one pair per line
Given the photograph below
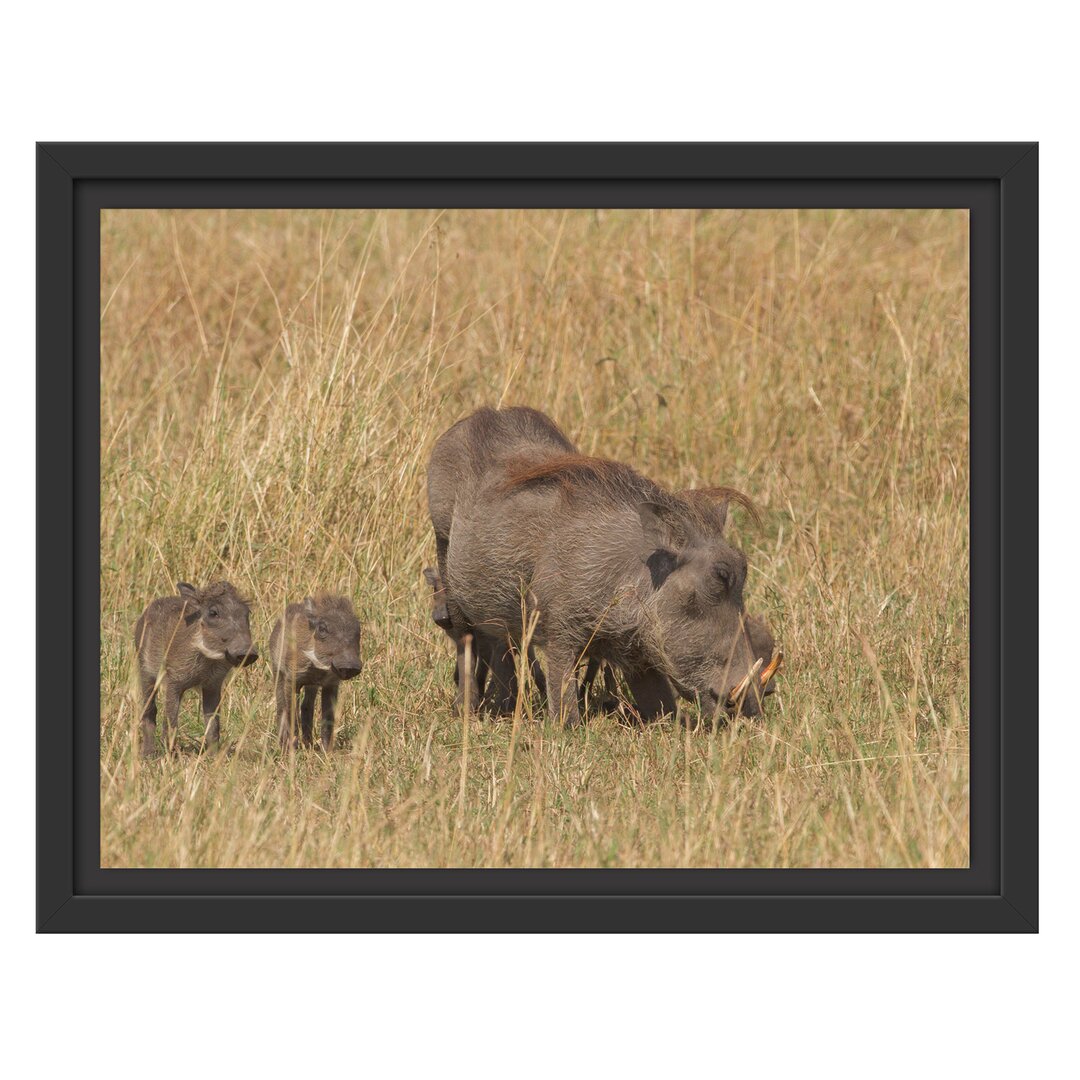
530, 538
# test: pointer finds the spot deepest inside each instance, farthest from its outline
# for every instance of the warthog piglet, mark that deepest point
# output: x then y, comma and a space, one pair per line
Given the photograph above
314, 646
189, 641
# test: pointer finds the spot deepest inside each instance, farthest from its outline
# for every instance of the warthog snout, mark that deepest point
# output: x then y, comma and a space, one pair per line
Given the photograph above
242, 655
347, 668
747, 696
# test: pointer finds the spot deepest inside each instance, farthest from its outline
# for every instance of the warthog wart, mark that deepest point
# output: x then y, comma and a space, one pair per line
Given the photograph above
193, 640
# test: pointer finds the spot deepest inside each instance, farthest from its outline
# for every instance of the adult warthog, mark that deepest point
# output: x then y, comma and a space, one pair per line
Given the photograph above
460, 460
615, 568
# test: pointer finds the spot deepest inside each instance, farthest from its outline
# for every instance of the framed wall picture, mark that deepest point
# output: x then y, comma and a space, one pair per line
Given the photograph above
537, 537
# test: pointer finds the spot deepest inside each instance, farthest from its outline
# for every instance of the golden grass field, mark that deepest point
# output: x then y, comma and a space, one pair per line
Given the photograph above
271, 386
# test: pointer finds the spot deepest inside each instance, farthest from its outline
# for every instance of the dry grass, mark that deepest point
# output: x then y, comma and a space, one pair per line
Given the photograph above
271, 385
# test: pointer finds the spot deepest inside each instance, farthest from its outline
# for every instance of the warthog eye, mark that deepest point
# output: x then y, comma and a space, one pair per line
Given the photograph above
213, 613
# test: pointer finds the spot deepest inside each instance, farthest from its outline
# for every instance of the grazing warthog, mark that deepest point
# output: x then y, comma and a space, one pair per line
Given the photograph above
313, 646
461, 457
617, 569
191, 640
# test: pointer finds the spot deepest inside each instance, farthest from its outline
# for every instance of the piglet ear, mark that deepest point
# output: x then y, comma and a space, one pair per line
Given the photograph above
309, 611
431, 576
191, 601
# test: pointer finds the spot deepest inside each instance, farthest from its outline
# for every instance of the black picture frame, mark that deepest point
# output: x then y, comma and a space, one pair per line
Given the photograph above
998, 182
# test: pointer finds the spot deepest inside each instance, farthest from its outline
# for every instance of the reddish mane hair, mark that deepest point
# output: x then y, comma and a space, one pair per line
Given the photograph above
569, 471
723, 496
580, 474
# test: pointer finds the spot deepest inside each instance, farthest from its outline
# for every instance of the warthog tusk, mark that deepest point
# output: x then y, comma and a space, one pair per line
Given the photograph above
773, 668
739, 690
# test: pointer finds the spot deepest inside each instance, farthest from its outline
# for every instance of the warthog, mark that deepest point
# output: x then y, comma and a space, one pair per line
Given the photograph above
314, 646
191, 640
440, 615
460, 458
616, 568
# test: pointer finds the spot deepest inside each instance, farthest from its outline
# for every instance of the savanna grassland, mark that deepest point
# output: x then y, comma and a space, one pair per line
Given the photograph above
271, 386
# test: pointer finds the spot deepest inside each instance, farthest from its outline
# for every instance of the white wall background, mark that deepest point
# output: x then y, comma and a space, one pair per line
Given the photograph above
840, 1006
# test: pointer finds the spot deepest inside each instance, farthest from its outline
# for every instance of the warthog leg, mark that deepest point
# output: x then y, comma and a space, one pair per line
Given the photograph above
286, 712
500, 693
537, 673
211, 702
600, 674
652, 693
148, 718
172, 716
307, 714
562, 684
329, 701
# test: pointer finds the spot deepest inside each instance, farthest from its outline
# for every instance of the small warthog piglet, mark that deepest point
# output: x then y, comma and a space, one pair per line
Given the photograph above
188, 641
314, 646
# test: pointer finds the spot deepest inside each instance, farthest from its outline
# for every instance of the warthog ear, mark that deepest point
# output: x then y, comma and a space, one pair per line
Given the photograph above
309, 611
191, 601
431, 576
722, 498
722, 515
662, 527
